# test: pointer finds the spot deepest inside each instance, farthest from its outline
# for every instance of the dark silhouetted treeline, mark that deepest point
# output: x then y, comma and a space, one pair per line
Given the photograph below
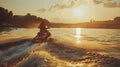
5, 16
117, 20
109, 24
27, 21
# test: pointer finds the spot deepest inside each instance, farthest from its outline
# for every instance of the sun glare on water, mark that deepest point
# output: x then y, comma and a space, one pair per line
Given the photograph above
78, 34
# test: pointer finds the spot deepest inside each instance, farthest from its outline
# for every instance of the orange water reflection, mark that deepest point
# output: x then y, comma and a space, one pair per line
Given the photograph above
78, 34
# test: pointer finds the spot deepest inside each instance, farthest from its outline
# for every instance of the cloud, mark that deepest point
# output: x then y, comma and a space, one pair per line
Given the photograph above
59, 6
112, 4
74, 3
97, 1
107, 3
63, 5
42, 10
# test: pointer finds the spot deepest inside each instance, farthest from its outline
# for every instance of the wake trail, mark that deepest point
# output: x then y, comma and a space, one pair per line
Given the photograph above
14, 54
53, 53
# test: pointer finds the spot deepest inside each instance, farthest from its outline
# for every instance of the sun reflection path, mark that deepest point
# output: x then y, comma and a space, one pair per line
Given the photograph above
78, 35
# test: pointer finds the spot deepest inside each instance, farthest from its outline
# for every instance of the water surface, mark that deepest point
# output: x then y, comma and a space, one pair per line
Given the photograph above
104, 41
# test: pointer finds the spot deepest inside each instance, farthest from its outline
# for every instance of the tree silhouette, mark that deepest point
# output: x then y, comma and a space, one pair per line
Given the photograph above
117, 19
7, 17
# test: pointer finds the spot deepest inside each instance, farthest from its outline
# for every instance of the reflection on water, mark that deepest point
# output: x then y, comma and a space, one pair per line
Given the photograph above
78, 34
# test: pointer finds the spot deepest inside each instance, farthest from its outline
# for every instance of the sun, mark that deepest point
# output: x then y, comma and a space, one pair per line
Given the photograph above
77, 12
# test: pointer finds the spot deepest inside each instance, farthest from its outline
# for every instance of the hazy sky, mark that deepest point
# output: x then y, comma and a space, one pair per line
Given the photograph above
70, 11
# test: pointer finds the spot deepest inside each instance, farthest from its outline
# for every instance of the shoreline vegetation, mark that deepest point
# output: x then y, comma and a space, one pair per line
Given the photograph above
97, 24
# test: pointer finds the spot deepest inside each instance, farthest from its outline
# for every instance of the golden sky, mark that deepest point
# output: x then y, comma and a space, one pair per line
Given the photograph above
67, 11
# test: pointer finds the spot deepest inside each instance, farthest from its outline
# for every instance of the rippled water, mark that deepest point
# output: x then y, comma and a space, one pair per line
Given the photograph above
107, 40
102, 36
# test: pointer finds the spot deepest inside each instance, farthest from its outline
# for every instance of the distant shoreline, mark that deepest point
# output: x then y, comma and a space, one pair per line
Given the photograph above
87, 25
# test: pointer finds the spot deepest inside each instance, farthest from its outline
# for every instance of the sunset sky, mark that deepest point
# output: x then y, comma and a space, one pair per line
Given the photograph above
67, 11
